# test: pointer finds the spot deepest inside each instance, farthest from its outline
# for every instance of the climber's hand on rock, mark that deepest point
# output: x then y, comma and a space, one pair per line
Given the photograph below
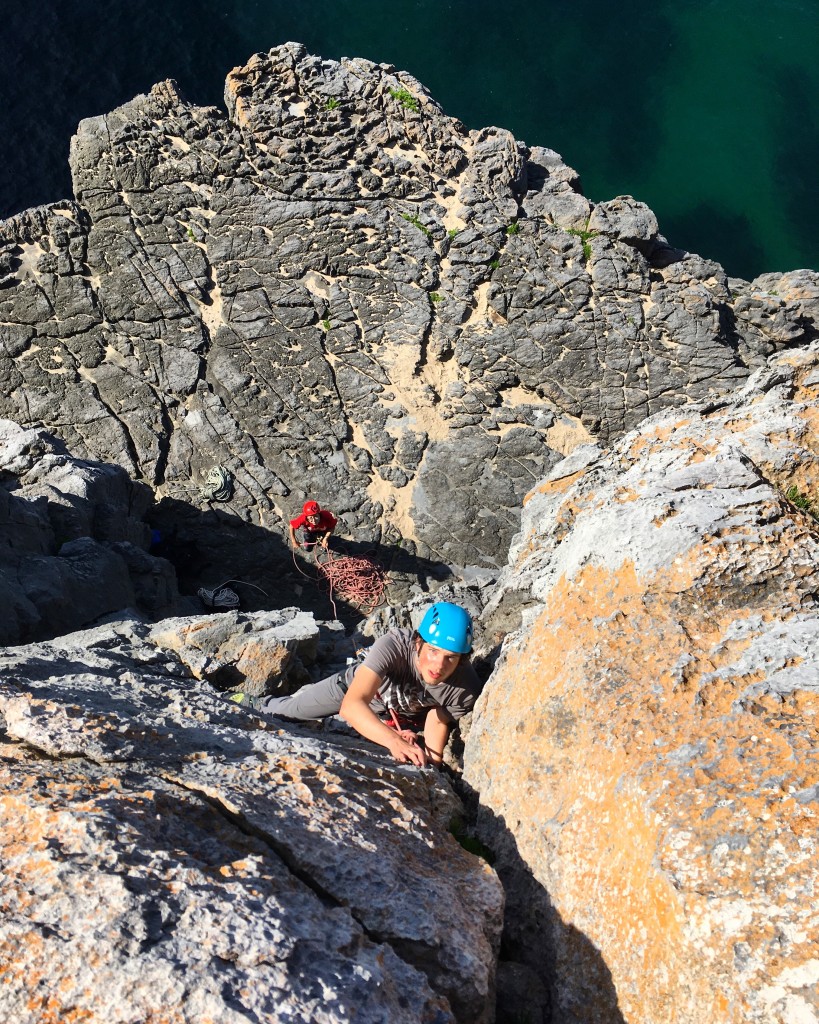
407, 751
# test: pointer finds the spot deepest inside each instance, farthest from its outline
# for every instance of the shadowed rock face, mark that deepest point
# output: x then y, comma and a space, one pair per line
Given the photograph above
656, 717
168, 856
338, 290
72, 540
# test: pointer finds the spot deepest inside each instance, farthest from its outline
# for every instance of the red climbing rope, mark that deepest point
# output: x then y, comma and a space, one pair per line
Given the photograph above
356, 580
359, 581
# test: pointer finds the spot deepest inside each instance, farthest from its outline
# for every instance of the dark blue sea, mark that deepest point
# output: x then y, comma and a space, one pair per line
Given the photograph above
707, 110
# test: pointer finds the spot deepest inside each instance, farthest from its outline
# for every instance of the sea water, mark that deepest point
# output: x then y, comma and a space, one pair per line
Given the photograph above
707, 110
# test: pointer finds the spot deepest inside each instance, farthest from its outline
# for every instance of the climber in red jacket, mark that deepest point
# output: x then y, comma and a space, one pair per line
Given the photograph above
315, 524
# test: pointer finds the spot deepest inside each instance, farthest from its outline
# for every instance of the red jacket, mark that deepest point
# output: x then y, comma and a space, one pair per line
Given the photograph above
326, 523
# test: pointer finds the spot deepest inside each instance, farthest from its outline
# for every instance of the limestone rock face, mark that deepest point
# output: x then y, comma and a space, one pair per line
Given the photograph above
72, 540
655, 714
167, 855
337, 290
261, 653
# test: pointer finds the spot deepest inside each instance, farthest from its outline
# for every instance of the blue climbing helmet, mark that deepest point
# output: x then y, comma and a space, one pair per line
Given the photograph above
447, 626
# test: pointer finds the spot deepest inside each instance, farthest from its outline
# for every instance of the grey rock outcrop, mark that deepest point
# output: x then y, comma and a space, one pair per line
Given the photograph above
167, 855
257, 654
338, 290
655, 712
72, 540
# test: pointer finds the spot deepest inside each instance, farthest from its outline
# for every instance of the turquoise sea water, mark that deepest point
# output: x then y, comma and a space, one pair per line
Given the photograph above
707, 110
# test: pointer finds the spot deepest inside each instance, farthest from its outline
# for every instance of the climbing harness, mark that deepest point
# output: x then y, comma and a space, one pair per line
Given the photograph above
400, 722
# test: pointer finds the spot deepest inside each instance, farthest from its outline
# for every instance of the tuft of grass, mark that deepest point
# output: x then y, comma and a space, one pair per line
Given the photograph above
584, 235
494, 264
326, 325
802, 501
435, 297
471, 843
513, 228
406, 99
413, 219
453, 232
332, 104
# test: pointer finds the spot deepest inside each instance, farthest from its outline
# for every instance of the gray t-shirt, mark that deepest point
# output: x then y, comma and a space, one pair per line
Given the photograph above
393, 658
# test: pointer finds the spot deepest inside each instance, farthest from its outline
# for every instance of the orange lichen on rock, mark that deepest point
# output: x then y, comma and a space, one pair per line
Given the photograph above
656, 719
557, 486
638, 863
261, 663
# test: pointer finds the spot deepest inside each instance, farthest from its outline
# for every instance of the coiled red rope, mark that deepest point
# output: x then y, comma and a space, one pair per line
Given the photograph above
359, 581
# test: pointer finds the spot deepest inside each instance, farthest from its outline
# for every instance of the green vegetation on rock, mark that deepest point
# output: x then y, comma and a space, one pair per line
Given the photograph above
413, 219
584, 235
460, 831
802, 501
406, 99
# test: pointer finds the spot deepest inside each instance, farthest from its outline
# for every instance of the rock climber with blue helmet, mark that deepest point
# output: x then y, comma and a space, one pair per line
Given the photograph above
421, 678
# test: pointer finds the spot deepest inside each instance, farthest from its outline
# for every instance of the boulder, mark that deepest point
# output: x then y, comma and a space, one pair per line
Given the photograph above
655, 714
167, 854
258, 654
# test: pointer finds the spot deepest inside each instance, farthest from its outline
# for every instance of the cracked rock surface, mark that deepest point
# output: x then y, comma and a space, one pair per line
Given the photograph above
655, 710
167, 855
338, 290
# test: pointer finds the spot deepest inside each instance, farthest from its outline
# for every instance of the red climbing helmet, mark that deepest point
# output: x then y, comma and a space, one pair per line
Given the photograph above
311, 508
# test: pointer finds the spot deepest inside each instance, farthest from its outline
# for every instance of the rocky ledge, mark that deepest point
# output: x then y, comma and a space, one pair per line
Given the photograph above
167, 856
74, 545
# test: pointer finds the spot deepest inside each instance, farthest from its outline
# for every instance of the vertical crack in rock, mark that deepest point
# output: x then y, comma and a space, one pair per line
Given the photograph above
423, 349
130, 447
164, 442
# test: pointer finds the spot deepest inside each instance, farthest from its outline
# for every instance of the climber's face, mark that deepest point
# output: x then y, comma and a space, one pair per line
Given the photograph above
435, 664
